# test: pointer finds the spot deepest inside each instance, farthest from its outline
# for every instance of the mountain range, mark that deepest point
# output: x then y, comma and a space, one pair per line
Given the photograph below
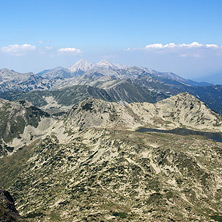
74, 145
103, 80
105, 70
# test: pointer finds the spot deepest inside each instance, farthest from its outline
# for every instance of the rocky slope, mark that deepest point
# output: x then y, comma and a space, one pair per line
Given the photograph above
117, 175
62, 99
58, 100
11, 80
20, 124
182, 110
58, 72
8, 212
90, 165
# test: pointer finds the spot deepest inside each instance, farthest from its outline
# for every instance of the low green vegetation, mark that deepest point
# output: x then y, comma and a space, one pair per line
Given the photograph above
217, 218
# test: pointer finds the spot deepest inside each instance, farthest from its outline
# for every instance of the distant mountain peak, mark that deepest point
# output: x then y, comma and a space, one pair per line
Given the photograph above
5, 69
80, 65
105, 64
81, 61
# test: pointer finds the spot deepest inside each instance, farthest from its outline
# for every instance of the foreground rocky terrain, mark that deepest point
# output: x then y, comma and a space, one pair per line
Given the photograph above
8, 212
112, 175
91, 164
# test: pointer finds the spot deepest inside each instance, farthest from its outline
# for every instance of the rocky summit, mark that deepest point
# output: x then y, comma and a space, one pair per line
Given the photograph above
90, 164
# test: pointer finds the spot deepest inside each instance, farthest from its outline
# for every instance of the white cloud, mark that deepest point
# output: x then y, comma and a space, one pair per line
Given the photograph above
191, 45
195, 55
213, 46
128, 49
154, 46
160, 46
183, 45
18, 50
170, 45
69, 50
194, 49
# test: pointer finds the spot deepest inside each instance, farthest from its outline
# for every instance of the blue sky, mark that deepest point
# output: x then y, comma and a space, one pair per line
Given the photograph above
37, 35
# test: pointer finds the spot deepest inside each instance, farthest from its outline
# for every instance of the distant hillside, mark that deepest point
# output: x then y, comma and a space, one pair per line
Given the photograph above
63, 99
11, 80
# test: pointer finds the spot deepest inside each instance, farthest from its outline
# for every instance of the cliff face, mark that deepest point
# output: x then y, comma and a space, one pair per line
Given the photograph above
8, 211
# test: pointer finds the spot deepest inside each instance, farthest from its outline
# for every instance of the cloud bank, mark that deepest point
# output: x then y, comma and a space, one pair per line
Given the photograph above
69, 50
18, 50
194, 49
21, 50
182, 46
